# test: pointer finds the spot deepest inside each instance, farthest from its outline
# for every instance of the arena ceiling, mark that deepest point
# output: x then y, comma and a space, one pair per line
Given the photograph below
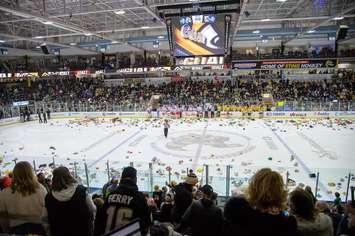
132, 25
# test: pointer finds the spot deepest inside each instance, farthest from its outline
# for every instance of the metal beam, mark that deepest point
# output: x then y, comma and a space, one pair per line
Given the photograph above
325, 21
94, 12
241, 14
150, 12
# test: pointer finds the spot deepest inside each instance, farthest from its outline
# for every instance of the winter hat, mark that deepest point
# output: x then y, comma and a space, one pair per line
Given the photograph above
207, 189
191, 179
129, 172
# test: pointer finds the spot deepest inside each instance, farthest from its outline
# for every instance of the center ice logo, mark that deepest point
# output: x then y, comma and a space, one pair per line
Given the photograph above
213, 143
180, 142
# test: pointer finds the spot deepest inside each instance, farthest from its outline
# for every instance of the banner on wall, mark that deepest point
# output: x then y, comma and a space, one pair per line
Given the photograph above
285, 64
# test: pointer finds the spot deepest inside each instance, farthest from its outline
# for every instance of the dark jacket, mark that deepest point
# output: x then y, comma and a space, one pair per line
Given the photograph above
127, 203
203, 218
259, 223
70, 218
165, 212
183, 199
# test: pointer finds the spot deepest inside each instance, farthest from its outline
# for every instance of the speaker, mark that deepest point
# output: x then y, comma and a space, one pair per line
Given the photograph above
342, 32
44, 49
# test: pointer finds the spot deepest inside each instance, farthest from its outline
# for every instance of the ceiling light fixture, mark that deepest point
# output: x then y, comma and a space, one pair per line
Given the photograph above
38, 47
113, 42
160, 37
120, 12
256, 31
281, 0
88, 34
48, 22
39, 37
2, 41
263, 20
72, 44
145, 27
338, 18
311, 31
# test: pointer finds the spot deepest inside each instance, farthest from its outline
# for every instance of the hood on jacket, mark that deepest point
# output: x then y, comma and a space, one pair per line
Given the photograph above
321, 224
65, 194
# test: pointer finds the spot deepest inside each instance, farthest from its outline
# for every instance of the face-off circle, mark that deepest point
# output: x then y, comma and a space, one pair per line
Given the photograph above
211, 144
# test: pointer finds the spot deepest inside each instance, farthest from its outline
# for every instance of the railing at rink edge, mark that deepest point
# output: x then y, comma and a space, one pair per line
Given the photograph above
11, 111
227, 180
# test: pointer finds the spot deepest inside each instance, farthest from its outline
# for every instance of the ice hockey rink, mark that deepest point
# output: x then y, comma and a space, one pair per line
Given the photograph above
300, 148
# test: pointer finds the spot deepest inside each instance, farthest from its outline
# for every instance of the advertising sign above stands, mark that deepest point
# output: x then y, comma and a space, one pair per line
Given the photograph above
285, 64
198, 60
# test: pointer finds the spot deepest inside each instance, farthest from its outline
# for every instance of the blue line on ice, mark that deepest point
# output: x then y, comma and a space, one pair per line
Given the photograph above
117, 146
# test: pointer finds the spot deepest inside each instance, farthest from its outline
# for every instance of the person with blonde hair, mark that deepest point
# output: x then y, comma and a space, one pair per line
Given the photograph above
267, 195
22, 204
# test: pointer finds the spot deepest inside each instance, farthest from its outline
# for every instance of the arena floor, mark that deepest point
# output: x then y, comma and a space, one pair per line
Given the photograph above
300, 147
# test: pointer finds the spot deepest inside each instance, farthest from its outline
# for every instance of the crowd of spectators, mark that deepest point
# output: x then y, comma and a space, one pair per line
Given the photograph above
59, 205
187, 93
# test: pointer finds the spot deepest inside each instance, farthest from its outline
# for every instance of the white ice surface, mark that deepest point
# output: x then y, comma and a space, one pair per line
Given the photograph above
245, 145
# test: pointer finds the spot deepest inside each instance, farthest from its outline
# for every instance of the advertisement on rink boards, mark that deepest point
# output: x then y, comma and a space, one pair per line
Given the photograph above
285, 64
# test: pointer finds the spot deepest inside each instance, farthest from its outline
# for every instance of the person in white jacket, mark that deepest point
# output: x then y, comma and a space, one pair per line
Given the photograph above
309, 221
22, 204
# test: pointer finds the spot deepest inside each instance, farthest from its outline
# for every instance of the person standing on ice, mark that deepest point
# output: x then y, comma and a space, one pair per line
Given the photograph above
44, 116
39, 116
166, 128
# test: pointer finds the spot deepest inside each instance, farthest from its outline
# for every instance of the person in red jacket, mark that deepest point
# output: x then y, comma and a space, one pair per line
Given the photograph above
6, 181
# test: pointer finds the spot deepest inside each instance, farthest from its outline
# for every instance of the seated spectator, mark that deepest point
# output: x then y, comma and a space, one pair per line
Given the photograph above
309, 221
267, 195
126, 203
203, 217
70, 209
183, 197
22, 204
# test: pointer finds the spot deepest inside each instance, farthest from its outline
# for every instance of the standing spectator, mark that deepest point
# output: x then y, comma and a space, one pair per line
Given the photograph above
22, 204
104, 188
203, 216
267, 195
183, 196
337, 200
48, 113
6, 181
125, 204
112, 187
166, 208
70, 209
308, 189
309, 221
39, 116
44, 116
238, 215
323, 207
42, 180
157, 196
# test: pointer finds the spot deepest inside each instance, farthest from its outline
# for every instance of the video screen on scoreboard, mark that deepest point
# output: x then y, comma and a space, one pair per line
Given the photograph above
198, 35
